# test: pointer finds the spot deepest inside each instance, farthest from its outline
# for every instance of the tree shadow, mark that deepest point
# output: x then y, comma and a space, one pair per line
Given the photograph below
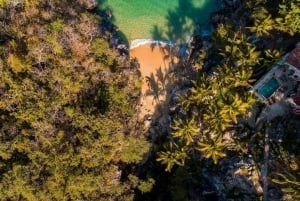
108, 22
160, 83
166, 81
163, 84
157, 33
154, 88
184, 21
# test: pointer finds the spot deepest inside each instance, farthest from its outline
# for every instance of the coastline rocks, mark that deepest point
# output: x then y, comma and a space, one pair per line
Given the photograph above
241, 176
88, 4
215, 19
232, 3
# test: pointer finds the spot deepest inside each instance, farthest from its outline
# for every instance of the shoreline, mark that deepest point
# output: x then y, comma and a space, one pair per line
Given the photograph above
143, 41
140, 42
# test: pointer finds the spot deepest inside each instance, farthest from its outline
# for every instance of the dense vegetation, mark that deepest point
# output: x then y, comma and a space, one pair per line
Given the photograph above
68, 116
218, 99
244, 47
66, 107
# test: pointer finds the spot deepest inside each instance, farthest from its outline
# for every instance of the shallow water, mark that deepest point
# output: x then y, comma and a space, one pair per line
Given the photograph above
172, 20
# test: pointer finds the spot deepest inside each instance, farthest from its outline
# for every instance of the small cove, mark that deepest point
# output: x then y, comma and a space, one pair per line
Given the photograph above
168, 20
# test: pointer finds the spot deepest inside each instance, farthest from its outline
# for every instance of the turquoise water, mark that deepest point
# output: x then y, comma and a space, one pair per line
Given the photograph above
173, 20
269, 88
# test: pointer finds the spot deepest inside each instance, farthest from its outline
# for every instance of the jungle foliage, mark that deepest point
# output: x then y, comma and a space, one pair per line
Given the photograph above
65, 107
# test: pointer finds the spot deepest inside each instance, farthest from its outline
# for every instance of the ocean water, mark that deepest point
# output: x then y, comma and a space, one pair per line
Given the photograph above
171, 20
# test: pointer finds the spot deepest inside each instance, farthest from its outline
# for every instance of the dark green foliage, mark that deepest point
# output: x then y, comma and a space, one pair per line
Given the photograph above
222, 98
101, 50
62, 113
56, 25
179, 184
132, 148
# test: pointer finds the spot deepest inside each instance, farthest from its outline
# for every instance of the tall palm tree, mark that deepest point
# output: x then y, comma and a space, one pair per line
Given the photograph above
213, 120
243, 78
262, 27
236, 108
185, 130
212, 148
200, 94
249, 57
226, 75
173, 155
290, 20
290, 184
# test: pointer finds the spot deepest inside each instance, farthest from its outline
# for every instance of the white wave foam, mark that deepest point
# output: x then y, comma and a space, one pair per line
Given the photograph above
138, 42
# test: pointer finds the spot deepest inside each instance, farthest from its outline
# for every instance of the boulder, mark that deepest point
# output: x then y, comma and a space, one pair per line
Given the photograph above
89, 4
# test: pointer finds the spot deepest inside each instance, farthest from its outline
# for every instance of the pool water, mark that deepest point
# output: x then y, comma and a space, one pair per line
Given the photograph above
172, 20
269, 88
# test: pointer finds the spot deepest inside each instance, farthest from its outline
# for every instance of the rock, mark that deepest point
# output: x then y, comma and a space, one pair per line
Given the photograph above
243, 184
229, 2
240, 178
227, 136
152, 131
216, 18
147, 124
89, 4
274, 194
258, 188
183, 112
92, 4
121, 46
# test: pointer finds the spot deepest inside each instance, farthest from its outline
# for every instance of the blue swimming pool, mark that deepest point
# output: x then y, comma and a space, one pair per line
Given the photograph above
269, 88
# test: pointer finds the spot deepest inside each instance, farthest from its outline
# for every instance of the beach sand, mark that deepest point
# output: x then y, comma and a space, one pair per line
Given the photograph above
155, 62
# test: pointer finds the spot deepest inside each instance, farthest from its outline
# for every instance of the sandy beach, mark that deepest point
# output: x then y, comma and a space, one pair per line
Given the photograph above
151, 57
155, 60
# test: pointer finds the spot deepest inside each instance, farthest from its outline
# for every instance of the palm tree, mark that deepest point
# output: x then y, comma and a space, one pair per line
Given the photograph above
212, 148
174, 155
262, 27
213, 120
290, 20
249, 57
236, 108
271, 56
202, 93
243, 78
185, 130
226, 75
289, 181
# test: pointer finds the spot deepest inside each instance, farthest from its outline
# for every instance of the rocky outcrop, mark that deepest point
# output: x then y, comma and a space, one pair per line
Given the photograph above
89, 4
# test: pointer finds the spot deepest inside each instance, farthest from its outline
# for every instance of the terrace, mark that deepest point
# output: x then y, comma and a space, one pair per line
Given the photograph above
277, 84
280, 87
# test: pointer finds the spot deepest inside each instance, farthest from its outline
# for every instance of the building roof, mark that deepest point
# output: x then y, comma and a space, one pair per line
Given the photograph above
293, 58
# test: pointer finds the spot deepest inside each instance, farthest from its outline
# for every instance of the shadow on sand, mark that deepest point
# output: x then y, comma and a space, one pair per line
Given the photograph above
168, 81
162, 86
